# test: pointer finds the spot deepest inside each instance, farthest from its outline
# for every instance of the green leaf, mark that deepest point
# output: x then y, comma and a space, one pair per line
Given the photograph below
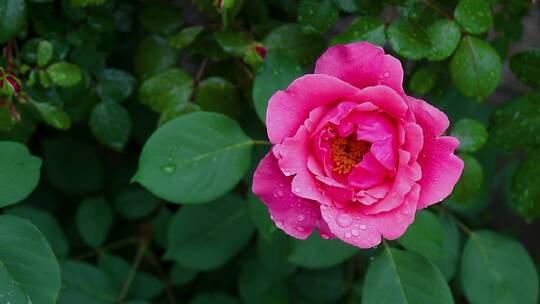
315, 252
475, 68
160, 18
526, 186
19, 172
110, 124
114, 85
471, 133
276, 73
257, 287
470, 182
28, 269
218, 95
234, 43
364, 28
397, 276
85, 284
448, 262
272, 253
44, 53
94, 220
72, 165
516, 124
203, 161
445, 35
526, 66
12, 18
53, 115
423, 80
185, 37
424, 236
154, 55
321, 285
348, 6
135, 204
205, 237
409, 39
290, 41
65, 74
474, 16
317, 16
496, 269
213, 298
47, 224
181, 276
171, 88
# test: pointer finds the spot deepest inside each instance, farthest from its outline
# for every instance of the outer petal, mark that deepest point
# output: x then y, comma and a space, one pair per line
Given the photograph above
364, 231
294, 215
288, 109
441, 169
362, 65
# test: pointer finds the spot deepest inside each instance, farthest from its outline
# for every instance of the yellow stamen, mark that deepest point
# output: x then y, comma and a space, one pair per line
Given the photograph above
347, 152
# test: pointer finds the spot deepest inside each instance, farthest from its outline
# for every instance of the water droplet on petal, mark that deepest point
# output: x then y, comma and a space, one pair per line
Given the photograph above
386, 74
300, 217
347, 234
344, 220
362, 227
355, 232
279, 224
296, 190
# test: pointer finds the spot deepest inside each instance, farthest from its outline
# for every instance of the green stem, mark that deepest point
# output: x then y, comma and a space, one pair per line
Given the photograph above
118, 244
261, 142
437, 9
133, 271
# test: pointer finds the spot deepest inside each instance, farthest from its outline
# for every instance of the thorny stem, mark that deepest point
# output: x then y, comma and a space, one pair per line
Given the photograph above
437, 9
143, 246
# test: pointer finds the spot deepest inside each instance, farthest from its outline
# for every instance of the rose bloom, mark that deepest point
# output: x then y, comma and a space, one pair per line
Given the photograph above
352, 154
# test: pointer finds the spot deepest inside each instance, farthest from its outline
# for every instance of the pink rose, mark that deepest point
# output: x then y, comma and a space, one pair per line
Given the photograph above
354, 155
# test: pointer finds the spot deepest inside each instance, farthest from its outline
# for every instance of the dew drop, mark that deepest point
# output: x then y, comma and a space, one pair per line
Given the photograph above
362, 227
296, 190
279, 224
355, 232
386, 74
169, 168
344, 220
300, 217
347, 234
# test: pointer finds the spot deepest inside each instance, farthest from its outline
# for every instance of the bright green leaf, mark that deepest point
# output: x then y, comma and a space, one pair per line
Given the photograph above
53, 115
526, 186
423, 80
470, 182
194, 158
65, 74
445, 35
475, 68
290, 41
29, 272
12, 18
185, 37
401, 277
409, 39
216, 94
154, 55
474, 16
471, 133
424, 236
44, 53
497, 270
171, 88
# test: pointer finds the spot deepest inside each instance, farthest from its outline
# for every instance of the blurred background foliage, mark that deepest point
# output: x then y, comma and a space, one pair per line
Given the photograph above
97, 98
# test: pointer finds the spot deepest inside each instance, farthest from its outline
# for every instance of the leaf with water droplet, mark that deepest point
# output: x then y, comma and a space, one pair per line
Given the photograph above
193, 177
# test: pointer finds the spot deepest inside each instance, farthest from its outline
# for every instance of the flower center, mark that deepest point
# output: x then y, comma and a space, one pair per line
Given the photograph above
347, 152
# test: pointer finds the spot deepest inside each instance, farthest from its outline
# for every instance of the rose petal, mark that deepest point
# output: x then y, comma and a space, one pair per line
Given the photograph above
362, 65
296, 216
441, 169
288, 109
352, 226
